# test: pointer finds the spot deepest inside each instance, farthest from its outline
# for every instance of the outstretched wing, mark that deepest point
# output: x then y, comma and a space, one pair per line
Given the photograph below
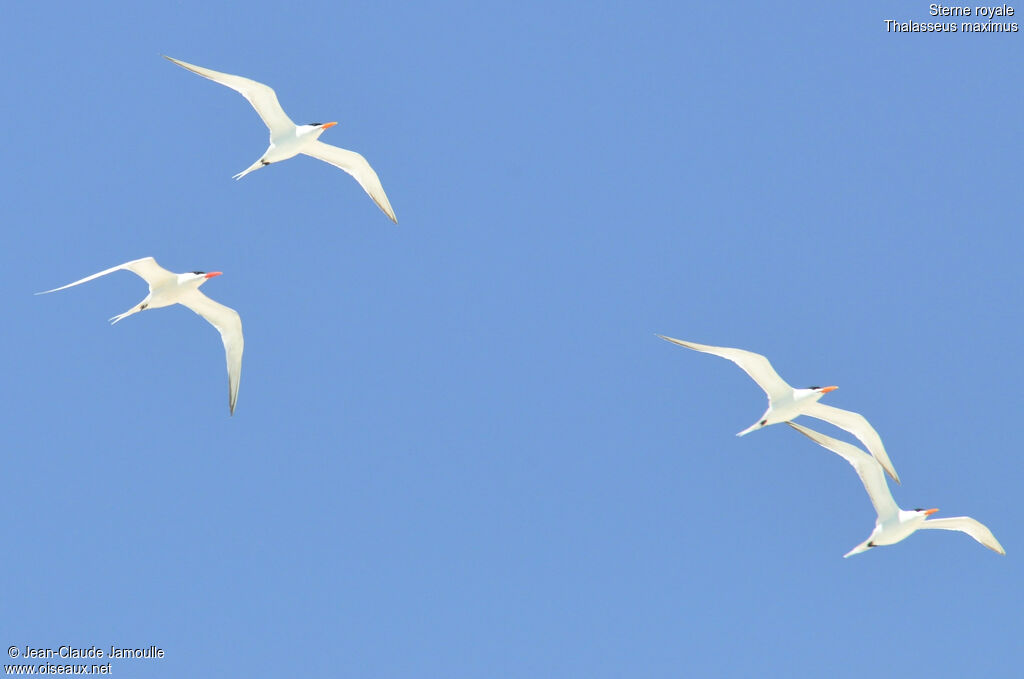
856, 424
146, 268
755, 365
229, 324
355, 165
976, 529
262, 97
868, 469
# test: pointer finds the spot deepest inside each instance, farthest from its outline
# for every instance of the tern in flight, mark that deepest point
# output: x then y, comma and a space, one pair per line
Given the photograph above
288, 139
786, 403
167, 288
894, 524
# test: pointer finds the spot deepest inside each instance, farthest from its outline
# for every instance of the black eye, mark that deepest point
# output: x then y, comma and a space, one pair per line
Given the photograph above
918, 509
815, 387
316, 124
199, 273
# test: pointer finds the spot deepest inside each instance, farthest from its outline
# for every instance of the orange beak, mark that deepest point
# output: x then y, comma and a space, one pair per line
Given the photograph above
929, 512
825, 390
326, 125
212, 274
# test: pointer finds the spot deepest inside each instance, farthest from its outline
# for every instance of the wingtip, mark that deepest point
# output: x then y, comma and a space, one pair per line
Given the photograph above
890, 472
673, 340
994, 545
385, 207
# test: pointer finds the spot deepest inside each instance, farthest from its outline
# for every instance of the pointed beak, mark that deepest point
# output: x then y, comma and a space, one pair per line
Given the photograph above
929, 512
326, 125
825, 390
212, 274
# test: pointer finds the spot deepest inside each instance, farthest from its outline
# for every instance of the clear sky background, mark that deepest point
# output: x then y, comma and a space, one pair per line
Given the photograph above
459, 448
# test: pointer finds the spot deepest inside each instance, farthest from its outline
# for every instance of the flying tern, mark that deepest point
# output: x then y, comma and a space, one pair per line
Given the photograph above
894, 524
786, 403
167, 288
288, 139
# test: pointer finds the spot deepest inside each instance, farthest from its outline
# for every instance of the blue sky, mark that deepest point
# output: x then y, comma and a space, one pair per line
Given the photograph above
459, 448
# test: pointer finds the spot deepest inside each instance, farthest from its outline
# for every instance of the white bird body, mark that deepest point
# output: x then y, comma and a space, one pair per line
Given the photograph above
288, 140
894, 528
786, 406
894, 524
786, 403
292, 143
167, 288
287, 145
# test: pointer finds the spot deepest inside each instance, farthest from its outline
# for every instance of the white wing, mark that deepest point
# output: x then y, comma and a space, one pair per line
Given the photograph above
972, 527
146, 268
856, 425
262, 97
868, 469
355, 165
229, 324
755, 365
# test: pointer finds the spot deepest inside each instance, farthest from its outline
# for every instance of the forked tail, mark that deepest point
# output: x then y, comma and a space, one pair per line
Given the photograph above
862, 547
756, 425
134, 310
252, 168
